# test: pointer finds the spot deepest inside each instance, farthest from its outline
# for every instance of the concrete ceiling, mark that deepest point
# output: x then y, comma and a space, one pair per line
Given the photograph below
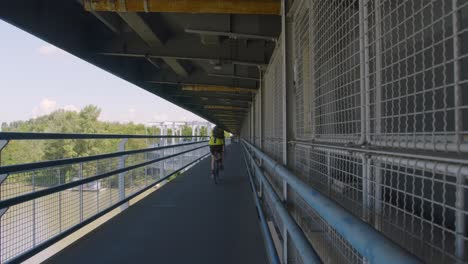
220, 54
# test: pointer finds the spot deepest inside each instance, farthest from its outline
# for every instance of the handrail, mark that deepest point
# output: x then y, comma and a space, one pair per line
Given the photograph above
43, 136
53, 163
37, 194
437, 156
24, 256
371, 244
305, 250
269, 245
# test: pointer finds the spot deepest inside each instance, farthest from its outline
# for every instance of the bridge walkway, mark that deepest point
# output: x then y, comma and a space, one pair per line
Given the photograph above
189, 220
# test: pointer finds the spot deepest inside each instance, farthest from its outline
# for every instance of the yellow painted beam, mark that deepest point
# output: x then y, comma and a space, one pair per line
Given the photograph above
215, 88
265, 7
224, 107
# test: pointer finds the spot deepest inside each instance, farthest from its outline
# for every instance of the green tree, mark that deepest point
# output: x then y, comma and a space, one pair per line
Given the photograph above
186, 131
84, 121
203, 131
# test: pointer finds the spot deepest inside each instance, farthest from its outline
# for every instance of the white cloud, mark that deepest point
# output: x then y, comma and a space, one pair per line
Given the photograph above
48, 49
71, 108
45, 107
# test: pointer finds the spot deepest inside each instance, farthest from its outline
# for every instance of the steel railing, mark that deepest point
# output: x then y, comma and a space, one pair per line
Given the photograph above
371, 244
303, 247
43, 202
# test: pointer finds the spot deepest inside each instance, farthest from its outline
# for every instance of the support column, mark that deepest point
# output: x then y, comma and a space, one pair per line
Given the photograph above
363, 68
284, 55
287, 73
253, 122
260, 113
457, 73
285, 67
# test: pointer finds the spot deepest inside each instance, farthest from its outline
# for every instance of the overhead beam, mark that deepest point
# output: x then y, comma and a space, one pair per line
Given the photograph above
225, 107
230, 35
110, 20
188, 47
214, 88
211, 96
265, 7
194, 58
233, 117
233, 76
188, 84
145, 32
199, 101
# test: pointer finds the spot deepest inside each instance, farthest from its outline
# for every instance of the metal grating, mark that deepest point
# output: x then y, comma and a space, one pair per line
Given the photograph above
414, 56
272, 113
335, 83
302, 71
381, 122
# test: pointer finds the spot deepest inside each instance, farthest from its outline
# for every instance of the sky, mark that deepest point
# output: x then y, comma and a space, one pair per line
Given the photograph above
37, 78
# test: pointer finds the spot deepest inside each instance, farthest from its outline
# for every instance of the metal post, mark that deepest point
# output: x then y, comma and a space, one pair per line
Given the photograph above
253, 123
378, 195
3, 177
122, 175
163, 163
366, 187
329, 178
98, 187
251, 120
260, 126
59, 176
378, 115
284, 52
362, 62
34, 209
460, 192
457, 73
460, 225
378, 69
80, 174
284, 65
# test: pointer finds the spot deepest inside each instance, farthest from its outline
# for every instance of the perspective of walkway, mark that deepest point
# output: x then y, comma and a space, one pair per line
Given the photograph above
189, 220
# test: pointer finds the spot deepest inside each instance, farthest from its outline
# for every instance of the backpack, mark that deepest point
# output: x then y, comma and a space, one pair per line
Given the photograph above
218, 132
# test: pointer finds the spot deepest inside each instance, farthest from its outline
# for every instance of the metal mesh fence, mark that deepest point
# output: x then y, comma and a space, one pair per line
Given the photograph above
28, 224
302, 54
417, 90
272, 112
336, 90
381, 122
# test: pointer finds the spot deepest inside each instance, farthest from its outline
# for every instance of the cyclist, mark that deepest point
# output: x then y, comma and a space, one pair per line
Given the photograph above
216, 146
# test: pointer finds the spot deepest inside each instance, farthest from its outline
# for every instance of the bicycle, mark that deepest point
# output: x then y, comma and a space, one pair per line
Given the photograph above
217, 165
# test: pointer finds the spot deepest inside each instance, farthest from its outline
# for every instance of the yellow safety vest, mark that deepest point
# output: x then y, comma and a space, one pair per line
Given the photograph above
214, 141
